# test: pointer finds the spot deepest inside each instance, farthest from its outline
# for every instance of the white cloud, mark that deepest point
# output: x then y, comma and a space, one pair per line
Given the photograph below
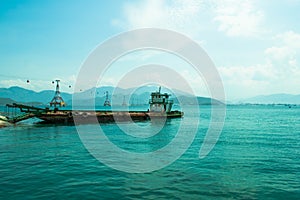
247, 73
284, 57
36, 85
196, 82
39, 85
278, 73
246, 80
185, 16
287, 50
293, 63
288, 46
290, 38
278, 53
238, 18
235, 18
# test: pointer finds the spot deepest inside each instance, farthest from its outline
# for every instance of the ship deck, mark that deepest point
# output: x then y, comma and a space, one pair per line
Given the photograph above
57, 116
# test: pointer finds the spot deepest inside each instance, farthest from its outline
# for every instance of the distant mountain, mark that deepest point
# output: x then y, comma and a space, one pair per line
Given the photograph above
131, 96
19, 94
273, 99
136, 96
4, 101
189, 100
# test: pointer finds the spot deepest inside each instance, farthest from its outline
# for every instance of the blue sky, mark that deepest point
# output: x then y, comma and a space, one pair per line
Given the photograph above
255, 45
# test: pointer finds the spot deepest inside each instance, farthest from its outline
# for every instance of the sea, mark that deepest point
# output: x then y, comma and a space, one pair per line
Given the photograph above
257, 156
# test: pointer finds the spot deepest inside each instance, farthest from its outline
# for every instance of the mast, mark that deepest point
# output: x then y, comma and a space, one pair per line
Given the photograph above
106, 102
57, 99
124, 102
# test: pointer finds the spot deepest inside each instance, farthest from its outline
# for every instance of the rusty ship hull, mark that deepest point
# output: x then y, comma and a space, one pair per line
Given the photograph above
82, 117
159, 109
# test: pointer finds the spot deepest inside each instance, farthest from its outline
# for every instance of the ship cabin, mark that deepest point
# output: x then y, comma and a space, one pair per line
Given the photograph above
160, 102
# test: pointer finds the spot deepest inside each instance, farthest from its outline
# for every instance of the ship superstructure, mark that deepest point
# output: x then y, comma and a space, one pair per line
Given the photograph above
160, 102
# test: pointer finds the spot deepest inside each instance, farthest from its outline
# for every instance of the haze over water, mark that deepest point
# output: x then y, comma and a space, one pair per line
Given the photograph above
256, 157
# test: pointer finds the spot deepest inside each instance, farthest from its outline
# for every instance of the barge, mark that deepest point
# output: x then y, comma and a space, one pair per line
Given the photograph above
159, 109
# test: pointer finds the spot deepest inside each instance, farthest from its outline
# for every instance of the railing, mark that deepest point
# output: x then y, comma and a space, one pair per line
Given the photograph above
28, 112
151, 101
20, 117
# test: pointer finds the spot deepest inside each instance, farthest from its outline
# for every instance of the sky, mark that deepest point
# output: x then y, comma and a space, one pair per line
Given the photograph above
255, 45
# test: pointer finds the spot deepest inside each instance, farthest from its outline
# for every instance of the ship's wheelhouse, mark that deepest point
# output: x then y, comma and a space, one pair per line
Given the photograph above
160, 102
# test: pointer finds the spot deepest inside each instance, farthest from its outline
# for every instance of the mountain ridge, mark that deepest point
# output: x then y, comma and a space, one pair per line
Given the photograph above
132, 95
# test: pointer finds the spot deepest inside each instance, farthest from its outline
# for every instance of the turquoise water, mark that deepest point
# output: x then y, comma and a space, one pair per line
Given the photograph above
256, 157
